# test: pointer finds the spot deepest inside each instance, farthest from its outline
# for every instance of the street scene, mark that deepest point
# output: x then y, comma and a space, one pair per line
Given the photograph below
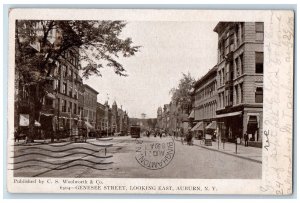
120, 161
99, 99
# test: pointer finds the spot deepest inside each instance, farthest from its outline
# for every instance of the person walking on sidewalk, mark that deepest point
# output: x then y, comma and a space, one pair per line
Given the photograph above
246, 138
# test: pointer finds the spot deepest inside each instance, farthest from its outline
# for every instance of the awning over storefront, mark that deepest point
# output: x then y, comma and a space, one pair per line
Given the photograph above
229, 114
37, 124
212, 125
198, 126
88, 125
51, 96
46, 114
192, 114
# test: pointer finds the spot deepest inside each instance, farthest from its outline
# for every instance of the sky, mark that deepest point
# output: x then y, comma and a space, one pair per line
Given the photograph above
169, 48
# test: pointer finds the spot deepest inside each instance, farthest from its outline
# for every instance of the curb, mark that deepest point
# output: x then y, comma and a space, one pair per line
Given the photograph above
235, 155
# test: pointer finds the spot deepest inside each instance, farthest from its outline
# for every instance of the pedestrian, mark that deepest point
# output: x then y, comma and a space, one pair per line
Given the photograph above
246, 138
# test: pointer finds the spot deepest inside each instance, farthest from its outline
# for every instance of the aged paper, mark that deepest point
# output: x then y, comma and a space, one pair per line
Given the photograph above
150, 101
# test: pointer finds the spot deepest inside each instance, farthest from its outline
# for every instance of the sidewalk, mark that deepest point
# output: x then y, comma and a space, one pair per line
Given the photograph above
249, 153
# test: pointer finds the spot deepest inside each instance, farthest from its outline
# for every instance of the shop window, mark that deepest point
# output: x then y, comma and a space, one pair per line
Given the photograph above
259, 62
259, 95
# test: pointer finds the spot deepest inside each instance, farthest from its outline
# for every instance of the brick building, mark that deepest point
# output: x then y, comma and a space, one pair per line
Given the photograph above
60, 109
240, 79
205, 102
90, 106
101, 118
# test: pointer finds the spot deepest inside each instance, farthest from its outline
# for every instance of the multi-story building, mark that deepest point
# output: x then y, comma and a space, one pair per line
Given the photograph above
114, 118
240, 79
159, 118
66, 84
101, 119
166, 117
108, 118
59, 108
90, 105
205, 101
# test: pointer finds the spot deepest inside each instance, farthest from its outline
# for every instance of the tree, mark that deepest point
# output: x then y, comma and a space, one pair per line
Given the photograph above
40, 45
181, 95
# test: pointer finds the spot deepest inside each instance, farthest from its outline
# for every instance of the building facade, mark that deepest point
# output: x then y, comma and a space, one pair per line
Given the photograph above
159, 118
240, 79
101, 117
90, 105
205, 101
66, 84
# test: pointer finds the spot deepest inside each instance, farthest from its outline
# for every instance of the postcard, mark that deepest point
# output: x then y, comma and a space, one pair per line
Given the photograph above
149, 101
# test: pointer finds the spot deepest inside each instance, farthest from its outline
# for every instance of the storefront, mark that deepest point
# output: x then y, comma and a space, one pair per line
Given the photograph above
230, 126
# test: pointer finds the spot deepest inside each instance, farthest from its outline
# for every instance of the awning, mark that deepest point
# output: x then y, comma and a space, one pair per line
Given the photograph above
50, 96
212, 125
37, 124
192, 114
88, 125
229, 114
46, 114
198, 126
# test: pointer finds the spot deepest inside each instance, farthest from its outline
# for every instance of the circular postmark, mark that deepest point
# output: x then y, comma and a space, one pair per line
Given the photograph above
155, 154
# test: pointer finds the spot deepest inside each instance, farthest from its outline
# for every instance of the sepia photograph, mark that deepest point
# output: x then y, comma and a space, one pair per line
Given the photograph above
140, 99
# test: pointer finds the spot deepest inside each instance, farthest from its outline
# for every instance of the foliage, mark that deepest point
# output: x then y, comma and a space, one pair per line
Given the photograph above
181, 94
41, 45
98, 42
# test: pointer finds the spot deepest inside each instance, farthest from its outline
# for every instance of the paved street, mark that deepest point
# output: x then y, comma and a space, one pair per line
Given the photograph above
90, 160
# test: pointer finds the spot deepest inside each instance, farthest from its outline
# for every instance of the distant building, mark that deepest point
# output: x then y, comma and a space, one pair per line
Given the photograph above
240, 79
114, 118
159, 118
90, 105
101, 118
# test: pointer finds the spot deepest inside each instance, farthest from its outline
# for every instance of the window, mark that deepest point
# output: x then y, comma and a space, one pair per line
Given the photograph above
75, 109
70, 91
236, 62
241, 88
64, 88
70, 107
56, 82
259, 29
241, 64
237, 94
48, 102
259, 62
223, 75
65, 71
242, 31
64, 106
259, 95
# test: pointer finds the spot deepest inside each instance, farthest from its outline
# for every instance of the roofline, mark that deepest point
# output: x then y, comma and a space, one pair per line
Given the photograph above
210, 72
99, 104
219, 26
89, 87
